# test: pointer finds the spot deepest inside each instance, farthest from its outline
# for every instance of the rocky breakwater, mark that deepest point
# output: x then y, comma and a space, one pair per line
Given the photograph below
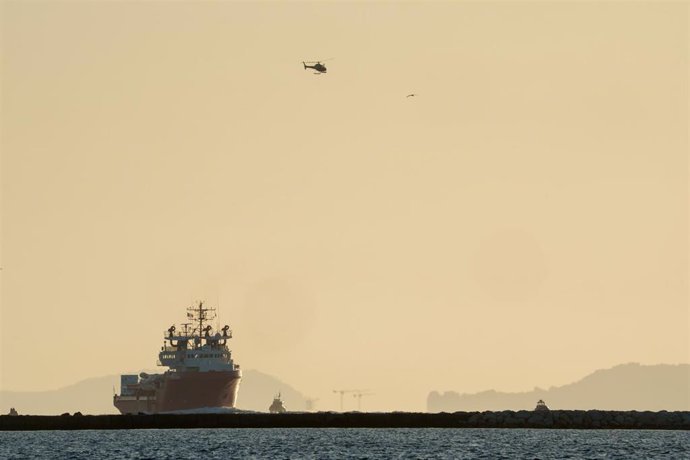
554, 419
580, 419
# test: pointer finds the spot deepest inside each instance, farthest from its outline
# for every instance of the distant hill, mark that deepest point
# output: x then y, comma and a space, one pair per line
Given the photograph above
624, 387
95, 396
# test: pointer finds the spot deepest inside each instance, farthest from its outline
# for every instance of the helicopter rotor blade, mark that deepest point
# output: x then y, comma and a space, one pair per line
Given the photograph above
318, 62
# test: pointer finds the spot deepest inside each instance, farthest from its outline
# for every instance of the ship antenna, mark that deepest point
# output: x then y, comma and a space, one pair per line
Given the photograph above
201, 317
217, 309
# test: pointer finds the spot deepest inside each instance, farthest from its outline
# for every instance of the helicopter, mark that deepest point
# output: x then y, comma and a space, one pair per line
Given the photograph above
316, 65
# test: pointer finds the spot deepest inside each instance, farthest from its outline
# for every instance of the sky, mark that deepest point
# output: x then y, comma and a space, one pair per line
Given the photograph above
521, 222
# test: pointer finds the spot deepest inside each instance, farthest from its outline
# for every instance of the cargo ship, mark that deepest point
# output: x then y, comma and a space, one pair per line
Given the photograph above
201, 372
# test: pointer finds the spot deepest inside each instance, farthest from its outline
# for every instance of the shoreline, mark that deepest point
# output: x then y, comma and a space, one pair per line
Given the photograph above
550, 419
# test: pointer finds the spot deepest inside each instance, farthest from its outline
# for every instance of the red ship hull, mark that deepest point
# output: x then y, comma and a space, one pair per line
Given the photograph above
185, 391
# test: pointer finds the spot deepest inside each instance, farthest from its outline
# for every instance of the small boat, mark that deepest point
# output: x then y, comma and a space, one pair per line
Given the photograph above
541, 405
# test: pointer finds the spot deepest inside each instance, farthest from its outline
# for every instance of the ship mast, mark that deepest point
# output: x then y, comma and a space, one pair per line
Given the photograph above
201, 315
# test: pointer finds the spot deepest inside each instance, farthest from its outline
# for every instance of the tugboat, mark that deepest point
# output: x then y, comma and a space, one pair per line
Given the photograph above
277, 406
201, 372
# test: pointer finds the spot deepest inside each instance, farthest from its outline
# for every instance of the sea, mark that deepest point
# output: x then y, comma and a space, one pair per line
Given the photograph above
348, 443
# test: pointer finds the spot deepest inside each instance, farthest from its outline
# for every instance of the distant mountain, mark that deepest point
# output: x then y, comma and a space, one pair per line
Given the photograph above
95, 396
624, 387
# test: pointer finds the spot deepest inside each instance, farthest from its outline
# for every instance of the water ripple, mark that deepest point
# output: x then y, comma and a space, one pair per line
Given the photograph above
336, 443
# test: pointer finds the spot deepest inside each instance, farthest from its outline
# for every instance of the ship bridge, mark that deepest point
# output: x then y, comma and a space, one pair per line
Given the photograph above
196, 347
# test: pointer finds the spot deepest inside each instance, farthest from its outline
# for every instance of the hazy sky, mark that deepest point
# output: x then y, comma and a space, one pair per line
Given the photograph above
523, 221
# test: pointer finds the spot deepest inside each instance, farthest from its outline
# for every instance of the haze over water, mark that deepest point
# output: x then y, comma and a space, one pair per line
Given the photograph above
522, 221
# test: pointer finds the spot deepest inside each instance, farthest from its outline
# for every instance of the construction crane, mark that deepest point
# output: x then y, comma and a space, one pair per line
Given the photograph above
342, 392
358, 394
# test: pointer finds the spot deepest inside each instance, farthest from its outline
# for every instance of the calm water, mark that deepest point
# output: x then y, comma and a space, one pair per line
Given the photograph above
345, 443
